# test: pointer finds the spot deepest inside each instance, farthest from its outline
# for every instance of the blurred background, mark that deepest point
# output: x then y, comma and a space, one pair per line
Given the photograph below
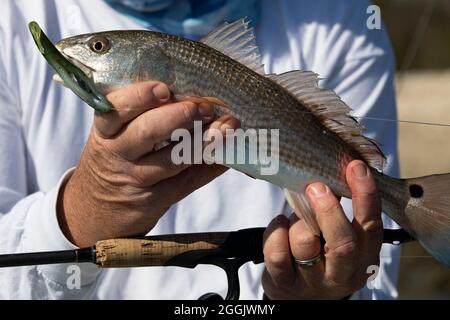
420, 34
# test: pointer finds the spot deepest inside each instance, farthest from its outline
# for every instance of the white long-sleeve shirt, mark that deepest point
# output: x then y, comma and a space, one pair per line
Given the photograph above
43, 128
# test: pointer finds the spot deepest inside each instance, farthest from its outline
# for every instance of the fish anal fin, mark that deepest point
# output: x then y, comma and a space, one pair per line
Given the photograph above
302, 209
331, 111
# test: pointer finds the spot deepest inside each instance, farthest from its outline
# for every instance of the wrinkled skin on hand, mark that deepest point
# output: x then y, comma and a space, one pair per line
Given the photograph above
122, 185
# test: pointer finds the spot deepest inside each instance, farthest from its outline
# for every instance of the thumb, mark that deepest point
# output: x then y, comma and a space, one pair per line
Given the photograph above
129, 103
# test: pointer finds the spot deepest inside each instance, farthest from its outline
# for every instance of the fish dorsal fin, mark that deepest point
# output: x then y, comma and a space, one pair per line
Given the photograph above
236, 40
331, 111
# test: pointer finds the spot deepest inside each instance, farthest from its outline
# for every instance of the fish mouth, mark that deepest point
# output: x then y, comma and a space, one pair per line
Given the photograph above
84, 85
71, 73
78, 77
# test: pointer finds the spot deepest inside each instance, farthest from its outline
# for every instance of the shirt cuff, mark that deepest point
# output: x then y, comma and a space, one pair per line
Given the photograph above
43, 233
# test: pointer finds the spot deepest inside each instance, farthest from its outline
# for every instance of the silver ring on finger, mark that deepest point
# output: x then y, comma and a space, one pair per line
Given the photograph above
309, 262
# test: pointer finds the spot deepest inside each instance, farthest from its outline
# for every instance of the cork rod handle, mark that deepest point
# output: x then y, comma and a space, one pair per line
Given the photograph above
154, 250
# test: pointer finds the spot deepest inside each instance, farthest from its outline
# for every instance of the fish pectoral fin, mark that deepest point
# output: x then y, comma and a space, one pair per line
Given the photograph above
302, 209
196, 99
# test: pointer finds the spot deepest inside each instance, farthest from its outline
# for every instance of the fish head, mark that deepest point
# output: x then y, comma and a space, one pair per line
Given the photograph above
115, 59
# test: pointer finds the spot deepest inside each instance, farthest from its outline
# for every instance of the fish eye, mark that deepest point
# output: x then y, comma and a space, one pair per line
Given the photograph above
99, 44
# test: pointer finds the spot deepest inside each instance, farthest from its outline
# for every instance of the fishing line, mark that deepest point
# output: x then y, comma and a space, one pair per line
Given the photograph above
404, 121
369, 118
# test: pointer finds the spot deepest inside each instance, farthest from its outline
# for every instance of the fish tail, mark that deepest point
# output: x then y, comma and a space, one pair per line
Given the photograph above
422, 207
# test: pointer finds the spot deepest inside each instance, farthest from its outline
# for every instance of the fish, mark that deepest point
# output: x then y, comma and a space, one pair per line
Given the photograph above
318, 137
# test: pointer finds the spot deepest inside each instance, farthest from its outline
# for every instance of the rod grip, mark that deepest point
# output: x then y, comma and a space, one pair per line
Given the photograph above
154, 250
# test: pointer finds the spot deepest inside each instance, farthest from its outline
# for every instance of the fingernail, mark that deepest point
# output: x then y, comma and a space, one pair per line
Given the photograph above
161, 92
318, 190
360, 170
206, 111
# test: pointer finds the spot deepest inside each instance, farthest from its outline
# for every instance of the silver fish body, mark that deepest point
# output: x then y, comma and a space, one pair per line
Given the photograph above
313, 145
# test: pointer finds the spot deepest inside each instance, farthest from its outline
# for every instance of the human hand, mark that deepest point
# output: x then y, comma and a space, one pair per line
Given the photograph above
349, 247
121, 185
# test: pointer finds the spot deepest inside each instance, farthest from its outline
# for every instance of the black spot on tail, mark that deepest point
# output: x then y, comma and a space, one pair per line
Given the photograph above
415, 191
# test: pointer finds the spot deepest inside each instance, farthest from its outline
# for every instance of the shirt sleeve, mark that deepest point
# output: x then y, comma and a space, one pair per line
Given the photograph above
28, 223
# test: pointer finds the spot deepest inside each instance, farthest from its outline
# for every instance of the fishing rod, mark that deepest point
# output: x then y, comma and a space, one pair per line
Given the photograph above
227, 250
